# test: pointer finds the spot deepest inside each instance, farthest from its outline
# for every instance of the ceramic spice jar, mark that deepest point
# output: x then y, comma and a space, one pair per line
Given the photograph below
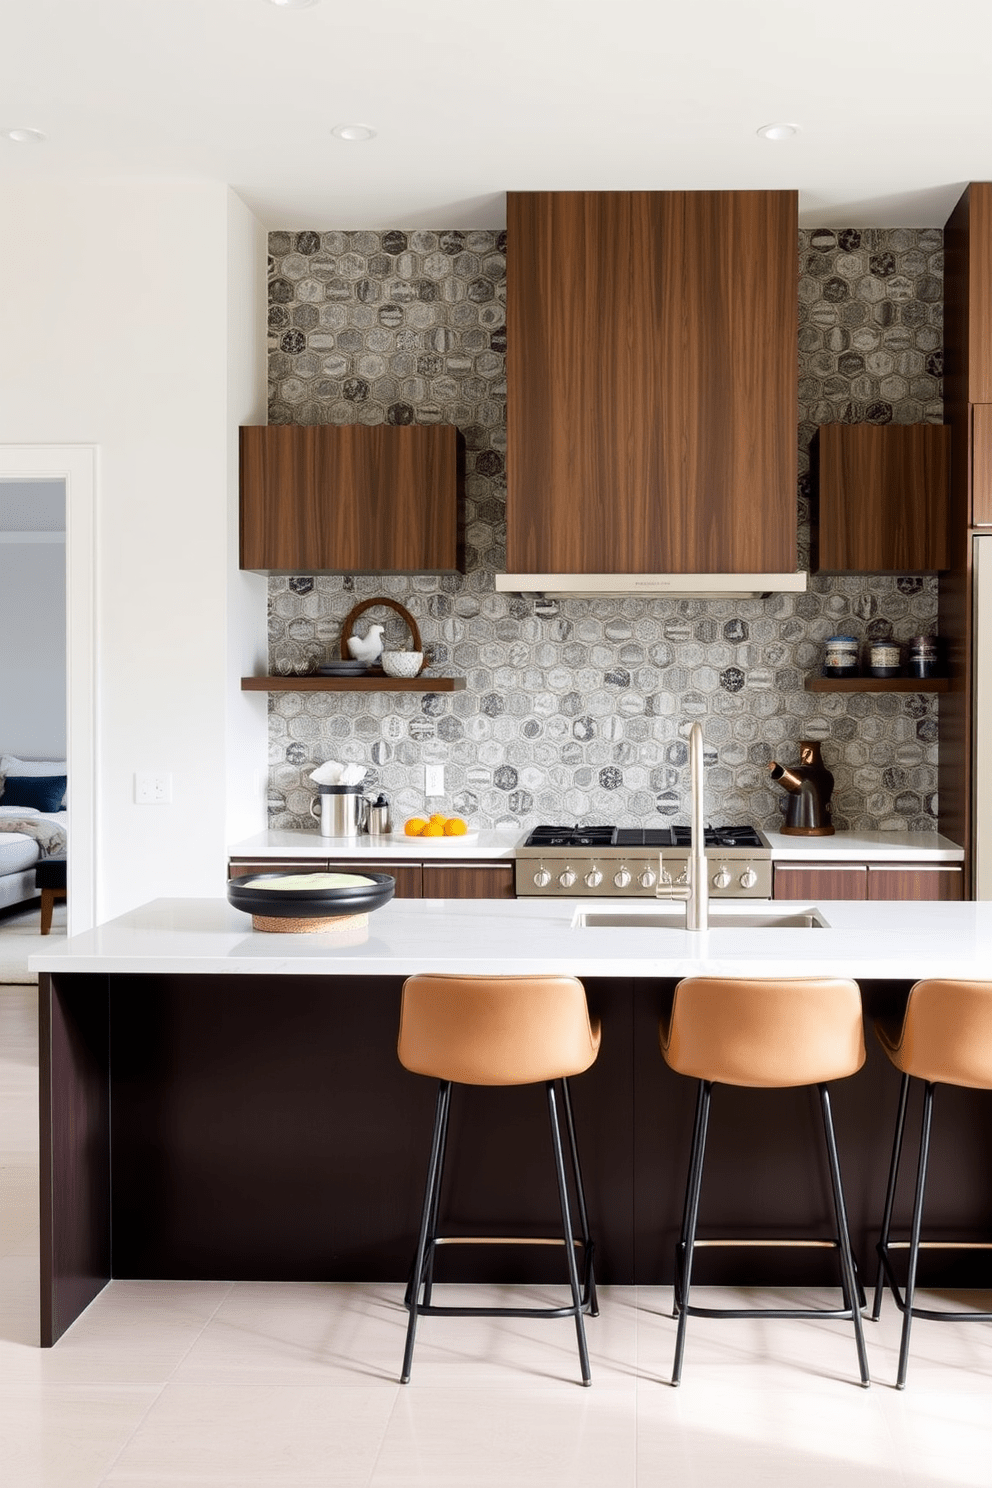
841, 656
885, 659
921, 657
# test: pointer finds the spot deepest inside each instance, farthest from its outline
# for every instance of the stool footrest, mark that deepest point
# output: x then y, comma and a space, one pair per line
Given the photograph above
898, 1292
429, 1309
770, 1312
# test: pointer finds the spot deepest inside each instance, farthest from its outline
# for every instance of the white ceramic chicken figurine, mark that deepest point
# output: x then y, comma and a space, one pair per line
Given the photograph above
367, 648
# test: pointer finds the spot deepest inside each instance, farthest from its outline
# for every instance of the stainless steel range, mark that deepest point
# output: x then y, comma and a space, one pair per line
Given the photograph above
626, 862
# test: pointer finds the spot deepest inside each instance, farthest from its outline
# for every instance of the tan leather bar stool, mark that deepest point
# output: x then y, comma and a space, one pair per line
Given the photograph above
773, 1034
512, 1030
945, 1038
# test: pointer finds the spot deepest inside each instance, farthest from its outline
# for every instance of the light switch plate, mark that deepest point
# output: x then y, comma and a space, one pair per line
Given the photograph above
152, 788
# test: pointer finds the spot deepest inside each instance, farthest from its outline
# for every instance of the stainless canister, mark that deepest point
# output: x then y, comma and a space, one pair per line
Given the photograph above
377, 818
341, 810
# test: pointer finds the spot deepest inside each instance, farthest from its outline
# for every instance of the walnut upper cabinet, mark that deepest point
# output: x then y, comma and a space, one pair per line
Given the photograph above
880, 498
651, 381
350, 498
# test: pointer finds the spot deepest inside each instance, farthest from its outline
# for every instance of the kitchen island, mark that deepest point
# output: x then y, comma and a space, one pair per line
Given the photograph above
221, 1102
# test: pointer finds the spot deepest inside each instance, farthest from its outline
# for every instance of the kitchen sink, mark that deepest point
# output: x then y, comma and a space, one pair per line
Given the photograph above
755, 917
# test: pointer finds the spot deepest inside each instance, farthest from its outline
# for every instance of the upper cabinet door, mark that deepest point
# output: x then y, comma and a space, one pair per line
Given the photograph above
652, 381
349, 498
881, 498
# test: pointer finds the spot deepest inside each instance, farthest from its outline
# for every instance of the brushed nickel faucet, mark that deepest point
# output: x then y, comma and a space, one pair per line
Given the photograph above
694, 892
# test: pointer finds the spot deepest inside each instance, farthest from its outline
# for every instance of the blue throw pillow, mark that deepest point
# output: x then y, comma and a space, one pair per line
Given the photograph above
43, 792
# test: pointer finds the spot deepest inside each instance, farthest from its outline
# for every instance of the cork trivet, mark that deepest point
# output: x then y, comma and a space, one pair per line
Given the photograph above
324, 925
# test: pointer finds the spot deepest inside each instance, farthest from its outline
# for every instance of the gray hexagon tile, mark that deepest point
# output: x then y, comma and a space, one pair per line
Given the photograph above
574, 709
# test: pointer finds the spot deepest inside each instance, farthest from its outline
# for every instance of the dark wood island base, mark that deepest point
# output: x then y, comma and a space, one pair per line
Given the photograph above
260, 1127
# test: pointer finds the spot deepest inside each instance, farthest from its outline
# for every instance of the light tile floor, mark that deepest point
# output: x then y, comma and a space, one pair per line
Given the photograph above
231, 1386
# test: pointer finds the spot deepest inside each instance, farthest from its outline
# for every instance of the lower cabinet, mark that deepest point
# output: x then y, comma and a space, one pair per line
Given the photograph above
452, 880
872, 881
469, 881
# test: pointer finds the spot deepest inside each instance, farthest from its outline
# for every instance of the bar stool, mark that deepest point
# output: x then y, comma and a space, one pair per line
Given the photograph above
945, 1038
774, 1034
512, 1030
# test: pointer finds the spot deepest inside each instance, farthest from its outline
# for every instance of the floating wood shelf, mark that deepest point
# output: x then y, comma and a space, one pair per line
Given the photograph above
877, 684
352, 684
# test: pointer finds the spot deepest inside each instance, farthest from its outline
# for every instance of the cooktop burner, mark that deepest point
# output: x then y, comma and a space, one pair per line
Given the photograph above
570, 837
640, 837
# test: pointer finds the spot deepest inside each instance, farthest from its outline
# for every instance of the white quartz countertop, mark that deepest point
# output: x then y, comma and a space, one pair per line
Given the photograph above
922, 847
906, 939
872, 847
478, 845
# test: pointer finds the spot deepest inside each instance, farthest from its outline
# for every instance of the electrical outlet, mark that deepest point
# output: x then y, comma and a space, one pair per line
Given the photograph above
152, 789
434, 780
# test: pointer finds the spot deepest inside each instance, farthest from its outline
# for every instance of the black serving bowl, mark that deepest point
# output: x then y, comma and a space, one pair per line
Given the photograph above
251, 895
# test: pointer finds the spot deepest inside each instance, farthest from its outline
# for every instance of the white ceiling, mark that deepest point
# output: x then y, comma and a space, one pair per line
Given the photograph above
470, 98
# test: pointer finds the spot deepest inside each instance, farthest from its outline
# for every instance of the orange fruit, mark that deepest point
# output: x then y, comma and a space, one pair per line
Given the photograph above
415, 826
433, 829
455, 827
438, 816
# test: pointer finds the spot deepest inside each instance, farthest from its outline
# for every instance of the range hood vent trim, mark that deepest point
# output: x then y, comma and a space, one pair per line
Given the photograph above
660, 586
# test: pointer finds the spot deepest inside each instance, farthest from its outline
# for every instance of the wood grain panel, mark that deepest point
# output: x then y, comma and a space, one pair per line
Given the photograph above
74, 1103
468, 881
352, 684
980, 292
964, 254
908, 881
651, 381
981, 464
802, 881
245, 867
882, 498
264, 1129
349, 498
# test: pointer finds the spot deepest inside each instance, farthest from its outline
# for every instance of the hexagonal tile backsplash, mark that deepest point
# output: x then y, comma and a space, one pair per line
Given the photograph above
578, 710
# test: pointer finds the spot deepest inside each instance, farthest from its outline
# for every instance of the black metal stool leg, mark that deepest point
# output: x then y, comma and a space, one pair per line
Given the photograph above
914, 1239
680, 1248
589, 1272
848, 1275
435, 1209
890, 1195
683, 1279
568, 1235
426, 1231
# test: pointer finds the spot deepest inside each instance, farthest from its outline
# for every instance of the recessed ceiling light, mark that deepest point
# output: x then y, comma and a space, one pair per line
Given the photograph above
294, 4
353, 132
778, 131
24, 136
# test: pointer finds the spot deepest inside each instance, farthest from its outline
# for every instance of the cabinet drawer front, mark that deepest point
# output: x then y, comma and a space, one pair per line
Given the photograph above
810, 881
244, 867
911, 881
468, 881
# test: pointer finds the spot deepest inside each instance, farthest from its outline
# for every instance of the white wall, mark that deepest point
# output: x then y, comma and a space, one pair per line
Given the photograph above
122, 305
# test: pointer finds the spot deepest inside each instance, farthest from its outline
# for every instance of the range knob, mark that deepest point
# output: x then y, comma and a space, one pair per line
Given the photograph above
594, 878
647, 878
567, 878
748, 878
622, 879
542, 878
721, 879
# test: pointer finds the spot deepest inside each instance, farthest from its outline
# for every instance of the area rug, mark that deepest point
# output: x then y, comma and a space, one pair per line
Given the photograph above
21, 937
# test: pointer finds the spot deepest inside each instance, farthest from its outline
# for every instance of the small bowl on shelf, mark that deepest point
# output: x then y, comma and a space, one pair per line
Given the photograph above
402, 663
